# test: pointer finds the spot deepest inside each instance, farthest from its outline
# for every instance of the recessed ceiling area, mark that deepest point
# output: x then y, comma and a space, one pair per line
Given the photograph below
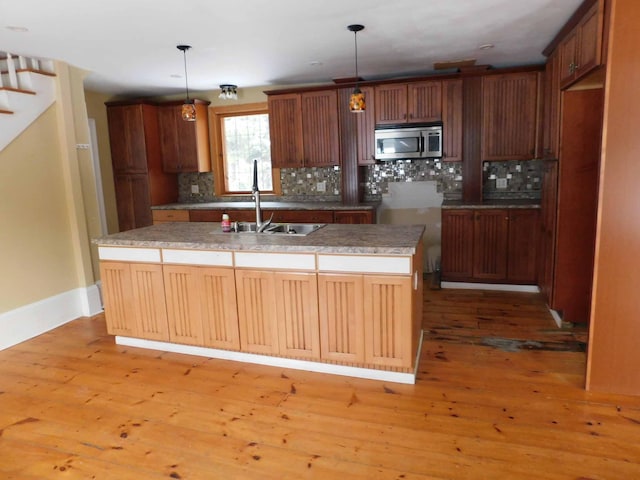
129, 48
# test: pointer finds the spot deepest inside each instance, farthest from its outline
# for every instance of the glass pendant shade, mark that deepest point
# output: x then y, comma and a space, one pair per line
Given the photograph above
188, 111
188, 107
357, 101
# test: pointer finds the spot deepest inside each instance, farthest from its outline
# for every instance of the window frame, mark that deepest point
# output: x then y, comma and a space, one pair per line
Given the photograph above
216, 116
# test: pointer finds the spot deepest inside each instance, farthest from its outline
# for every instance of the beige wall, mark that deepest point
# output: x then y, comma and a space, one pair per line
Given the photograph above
36, 256
48, 202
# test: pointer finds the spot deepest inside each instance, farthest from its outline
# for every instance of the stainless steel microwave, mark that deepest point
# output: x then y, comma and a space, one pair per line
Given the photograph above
399, 142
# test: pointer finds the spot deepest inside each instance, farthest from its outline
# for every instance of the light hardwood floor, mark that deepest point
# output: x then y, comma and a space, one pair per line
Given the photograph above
499, 396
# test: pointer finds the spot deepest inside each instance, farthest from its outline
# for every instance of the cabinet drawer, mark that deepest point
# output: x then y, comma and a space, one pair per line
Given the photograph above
300, 216
279, 261
160, 216
216, 215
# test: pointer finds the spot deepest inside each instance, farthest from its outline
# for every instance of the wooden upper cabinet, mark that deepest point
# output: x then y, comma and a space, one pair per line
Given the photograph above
304, 129
425, 101
581, 49
452, 120
184, 146
509, 116
285, 130
391, 103
551, 107
127, 136
320, 132
415, 102
366, 122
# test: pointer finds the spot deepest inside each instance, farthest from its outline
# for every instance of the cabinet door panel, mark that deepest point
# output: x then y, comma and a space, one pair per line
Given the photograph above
490, 244
320, 128
524, 227
452, 120
590, 41
256, 311
150, 309
568, 58
296, 308
285, 127
118, 298
391, 103
387, 308
509, 116
457, 244
127, 138
183, 306
218, 308
341, 317
133, 201
425, 101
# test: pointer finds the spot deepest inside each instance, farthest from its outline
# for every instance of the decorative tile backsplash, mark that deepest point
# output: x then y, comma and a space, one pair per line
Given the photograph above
519, 179
448, 176
523, 180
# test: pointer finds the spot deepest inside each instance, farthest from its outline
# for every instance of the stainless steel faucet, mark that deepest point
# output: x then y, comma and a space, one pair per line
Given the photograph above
255, 193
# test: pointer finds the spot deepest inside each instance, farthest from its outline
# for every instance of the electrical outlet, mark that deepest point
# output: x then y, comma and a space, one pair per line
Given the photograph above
321, 186
195, 189
501, 183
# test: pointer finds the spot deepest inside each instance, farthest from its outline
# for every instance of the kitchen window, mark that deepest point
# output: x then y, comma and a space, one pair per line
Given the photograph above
241, 134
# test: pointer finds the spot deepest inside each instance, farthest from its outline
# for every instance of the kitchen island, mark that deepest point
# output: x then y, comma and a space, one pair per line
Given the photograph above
345, 299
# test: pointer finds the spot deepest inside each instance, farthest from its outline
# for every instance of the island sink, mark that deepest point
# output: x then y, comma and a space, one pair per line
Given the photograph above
300, 229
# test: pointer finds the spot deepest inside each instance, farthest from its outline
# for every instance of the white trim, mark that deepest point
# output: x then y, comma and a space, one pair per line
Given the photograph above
556, 317
34, 319
364, 264
126, 254
197, 257
288, 261
358, 372
503, 287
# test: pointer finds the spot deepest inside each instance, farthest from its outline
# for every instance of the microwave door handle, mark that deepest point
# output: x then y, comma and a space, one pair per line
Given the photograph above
421, 143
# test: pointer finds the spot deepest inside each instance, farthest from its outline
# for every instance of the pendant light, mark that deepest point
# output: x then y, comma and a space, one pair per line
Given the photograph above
188, 107
356, 101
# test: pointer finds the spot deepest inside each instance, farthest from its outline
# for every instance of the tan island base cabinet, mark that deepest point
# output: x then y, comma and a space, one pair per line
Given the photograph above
201, 306
353, 310
134, 299
362, 319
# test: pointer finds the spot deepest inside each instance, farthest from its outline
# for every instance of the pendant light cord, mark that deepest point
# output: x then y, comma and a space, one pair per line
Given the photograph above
186, 78
355, 39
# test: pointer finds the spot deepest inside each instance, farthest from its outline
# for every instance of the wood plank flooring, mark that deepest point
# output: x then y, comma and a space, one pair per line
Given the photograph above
499, 396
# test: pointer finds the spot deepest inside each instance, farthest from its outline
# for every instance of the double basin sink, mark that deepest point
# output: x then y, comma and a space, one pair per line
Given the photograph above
299, 229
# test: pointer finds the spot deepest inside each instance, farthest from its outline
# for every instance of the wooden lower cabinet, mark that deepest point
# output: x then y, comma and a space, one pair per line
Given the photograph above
134, 301
296, 302
490, 245
387, 310
163, 216
366, 318
353, 216
341, 312
201, 306
257, 320
277, 313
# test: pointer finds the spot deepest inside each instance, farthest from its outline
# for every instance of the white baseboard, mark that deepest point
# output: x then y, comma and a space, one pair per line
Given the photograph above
311, 366
556, 317
36, 318
503, 287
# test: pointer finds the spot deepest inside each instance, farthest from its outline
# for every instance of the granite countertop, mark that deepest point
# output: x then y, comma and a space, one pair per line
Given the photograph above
513, 203
266, 205
332, 238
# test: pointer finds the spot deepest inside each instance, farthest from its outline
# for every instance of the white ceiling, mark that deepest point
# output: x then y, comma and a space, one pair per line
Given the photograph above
129, 46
